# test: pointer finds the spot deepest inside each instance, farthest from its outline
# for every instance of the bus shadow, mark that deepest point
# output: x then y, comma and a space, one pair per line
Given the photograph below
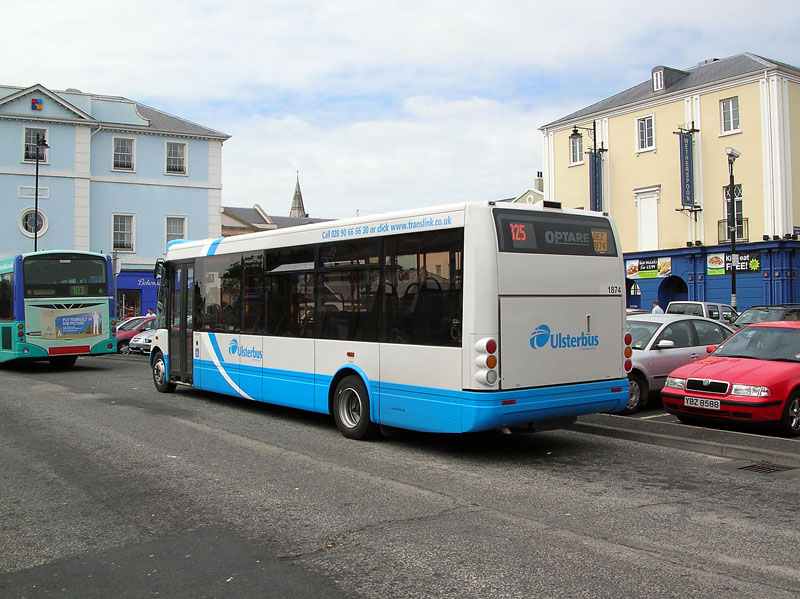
490, 446
44, 367
321, 421
493, 447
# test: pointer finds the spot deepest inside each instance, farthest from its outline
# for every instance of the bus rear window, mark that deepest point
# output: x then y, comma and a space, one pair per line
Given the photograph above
64, 276
528, 232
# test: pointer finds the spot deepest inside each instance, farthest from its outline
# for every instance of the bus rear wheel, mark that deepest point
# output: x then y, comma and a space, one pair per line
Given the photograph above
160, 374
63, 361
350, 408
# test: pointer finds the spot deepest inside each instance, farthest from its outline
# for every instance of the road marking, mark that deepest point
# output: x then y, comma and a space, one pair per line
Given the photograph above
653, 416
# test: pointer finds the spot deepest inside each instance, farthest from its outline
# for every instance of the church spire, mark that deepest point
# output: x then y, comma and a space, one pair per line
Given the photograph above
298, 210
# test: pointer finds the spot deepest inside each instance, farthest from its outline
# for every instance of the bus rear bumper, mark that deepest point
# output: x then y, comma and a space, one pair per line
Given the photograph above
445, 411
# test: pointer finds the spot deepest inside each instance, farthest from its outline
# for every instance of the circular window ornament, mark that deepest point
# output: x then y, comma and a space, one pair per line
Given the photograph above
30, 221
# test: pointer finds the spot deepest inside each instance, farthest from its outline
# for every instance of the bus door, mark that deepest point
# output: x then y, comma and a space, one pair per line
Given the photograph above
180, 325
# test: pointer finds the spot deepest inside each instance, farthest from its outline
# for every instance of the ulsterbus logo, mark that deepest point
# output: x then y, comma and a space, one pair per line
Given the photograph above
542, 335
244, 352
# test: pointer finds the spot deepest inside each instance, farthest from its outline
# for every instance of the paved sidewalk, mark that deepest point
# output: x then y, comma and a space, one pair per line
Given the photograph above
711, 441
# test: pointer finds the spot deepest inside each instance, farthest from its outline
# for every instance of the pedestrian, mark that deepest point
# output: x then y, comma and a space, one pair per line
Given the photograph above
656, 308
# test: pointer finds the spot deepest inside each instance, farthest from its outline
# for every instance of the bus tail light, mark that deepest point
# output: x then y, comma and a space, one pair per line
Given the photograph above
627, 351
20, 330
486, 361
487, 377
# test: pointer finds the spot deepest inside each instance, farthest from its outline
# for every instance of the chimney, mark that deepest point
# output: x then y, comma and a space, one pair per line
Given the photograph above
538, 182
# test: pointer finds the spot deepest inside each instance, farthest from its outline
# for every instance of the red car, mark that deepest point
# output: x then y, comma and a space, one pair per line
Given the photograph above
132, 327
753, 377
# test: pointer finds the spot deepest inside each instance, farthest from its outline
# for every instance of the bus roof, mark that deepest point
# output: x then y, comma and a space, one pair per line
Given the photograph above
404, 221
7, 262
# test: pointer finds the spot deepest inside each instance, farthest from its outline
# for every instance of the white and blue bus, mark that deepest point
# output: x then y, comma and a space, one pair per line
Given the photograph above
452, 319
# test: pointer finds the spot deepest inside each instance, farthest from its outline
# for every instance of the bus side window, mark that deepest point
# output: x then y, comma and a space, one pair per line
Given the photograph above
423, 302
7, 296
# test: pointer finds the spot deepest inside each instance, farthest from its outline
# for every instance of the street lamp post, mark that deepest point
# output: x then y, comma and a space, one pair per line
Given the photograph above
732, 222
41, 145
596, 153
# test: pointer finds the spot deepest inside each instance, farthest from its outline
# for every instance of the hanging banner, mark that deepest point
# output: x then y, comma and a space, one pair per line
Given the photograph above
595, 181
687, 169
720, 264
648, 268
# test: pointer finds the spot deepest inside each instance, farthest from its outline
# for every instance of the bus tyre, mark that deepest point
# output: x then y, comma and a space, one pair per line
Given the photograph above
160, 374
637, 397
351, 409
63, 361
790, 423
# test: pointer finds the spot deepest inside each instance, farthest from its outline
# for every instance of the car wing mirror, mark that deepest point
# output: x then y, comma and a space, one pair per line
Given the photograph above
710, 349
665, 344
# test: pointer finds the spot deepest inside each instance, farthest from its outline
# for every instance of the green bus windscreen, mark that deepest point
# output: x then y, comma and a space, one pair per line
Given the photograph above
64, 275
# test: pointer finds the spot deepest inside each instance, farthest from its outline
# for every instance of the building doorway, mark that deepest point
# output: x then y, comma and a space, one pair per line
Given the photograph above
633, 294
672, 289
129, 303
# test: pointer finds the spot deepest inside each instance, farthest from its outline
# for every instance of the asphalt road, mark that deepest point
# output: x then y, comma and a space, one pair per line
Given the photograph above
109, 489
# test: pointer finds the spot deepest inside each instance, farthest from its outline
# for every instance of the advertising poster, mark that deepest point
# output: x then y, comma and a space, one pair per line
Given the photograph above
720, 264
55, 323
648, 268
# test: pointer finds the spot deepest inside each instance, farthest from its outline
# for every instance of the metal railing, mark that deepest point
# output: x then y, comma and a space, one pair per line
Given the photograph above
742, 230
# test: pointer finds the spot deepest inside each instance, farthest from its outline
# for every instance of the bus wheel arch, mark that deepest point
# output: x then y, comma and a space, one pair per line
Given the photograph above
159, 371
349, 403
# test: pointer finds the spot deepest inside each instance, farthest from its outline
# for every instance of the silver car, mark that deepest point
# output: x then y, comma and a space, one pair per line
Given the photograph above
142, 342
662, 343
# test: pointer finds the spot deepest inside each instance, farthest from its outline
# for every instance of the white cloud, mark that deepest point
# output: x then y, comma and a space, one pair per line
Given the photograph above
222, 49
200, 59
435, 151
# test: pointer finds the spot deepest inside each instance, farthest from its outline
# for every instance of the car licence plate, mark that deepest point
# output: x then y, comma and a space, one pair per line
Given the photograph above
698, 402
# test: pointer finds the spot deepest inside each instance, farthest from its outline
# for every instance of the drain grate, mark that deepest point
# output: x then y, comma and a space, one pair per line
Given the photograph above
766, 468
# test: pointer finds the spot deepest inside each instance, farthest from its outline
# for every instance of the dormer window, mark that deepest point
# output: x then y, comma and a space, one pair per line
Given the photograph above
658, 80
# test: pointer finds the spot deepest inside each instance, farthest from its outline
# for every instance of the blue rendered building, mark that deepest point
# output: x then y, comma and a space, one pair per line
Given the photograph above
118, 177
768, 272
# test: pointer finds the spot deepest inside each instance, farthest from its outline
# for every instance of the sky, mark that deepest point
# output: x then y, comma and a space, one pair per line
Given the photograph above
379, 105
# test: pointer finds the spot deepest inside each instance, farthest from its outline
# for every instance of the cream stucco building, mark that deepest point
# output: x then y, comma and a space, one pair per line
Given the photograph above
747, 102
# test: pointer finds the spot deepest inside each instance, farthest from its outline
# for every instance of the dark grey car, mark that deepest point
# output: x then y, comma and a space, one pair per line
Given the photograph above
662, 343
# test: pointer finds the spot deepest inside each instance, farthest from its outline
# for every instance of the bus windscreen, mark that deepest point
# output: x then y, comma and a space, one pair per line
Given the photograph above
64, 276
529, 232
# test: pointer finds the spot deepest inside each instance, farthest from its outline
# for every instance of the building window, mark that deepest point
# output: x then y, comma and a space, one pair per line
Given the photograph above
575, 149
176, 228
123, 233
123, 154
729, 114
645, 130
31, 137
658, 81
737, 193
31, 222
176, 158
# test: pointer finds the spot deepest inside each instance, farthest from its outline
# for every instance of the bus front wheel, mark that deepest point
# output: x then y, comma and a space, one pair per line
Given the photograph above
160, 374
351, 409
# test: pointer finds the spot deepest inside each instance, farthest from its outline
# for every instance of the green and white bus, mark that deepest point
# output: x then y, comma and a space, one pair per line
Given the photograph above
56, 306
